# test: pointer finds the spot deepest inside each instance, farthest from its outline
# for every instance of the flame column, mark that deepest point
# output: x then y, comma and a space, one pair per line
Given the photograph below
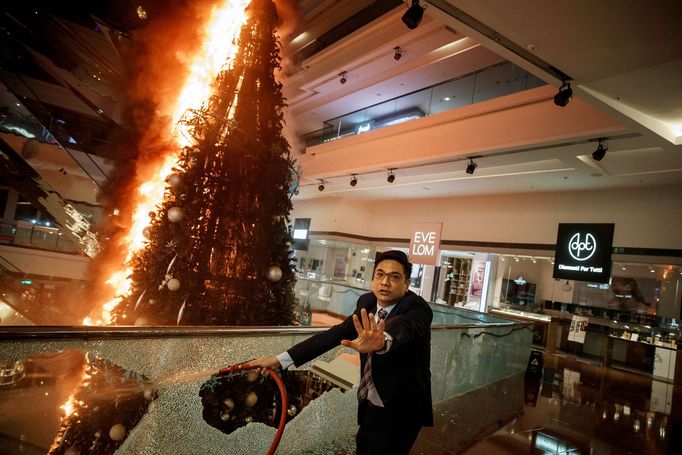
219, 247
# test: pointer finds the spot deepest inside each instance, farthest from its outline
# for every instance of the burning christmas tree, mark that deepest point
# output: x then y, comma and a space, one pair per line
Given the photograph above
218, 248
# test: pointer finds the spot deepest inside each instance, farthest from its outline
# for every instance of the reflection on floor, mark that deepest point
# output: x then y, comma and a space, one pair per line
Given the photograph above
584, 408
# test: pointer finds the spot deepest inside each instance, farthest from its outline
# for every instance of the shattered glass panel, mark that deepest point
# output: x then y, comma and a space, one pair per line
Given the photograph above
171, 370
70, 402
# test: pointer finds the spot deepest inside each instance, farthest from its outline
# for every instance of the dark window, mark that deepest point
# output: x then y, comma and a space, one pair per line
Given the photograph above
4, 193
26, 211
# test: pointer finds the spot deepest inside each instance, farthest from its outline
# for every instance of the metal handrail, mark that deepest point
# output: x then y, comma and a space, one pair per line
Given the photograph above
117, 332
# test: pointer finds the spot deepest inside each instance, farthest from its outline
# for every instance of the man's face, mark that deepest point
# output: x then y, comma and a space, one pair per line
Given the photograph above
389, 283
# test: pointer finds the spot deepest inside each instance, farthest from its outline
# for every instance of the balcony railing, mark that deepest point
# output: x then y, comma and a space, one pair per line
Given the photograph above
486, 361
485, 84
340, 299
34, 235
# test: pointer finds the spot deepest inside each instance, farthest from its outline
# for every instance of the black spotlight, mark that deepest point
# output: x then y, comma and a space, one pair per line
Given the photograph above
321, 186
391, 176
353, 180
564, 96
343, 79
471, 167
398, 53
598, 154
413, 15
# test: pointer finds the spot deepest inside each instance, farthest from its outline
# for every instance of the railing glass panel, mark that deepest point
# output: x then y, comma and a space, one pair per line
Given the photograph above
492, 82
31, 235
174, 364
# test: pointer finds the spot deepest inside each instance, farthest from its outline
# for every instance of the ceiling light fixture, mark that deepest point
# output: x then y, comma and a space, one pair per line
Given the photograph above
598, 154
391, 176
564, 95
398, 53
343, 79
353, 180
414, 14
321, 185
471, 167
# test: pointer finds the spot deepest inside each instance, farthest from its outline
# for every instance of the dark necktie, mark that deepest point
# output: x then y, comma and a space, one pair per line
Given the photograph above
366, 380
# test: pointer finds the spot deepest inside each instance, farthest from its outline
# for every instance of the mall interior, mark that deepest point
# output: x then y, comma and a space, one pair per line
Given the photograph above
497, 126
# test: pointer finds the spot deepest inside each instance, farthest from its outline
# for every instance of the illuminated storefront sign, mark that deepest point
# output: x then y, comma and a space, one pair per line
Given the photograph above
425, 243
583, 252
364, 127
301, 233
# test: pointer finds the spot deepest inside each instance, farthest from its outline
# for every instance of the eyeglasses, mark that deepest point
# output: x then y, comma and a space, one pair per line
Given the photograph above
393, 277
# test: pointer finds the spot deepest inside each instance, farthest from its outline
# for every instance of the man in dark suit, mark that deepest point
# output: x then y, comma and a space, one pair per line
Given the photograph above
391, 329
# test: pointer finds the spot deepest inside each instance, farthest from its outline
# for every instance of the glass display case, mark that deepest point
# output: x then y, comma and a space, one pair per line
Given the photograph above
667, 334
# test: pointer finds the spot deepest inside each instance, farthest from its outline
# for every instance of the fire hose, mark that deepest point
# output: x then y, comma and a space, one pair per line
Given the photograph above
282, 391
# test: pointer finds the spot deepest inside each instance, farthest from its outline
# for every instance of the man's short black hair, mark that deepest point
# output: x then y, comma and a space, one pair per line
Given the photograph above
395, 255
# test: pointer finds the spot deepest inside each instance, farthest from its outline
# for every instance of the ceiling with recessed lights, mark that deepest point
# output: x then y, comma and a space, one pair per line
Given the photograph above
622, 62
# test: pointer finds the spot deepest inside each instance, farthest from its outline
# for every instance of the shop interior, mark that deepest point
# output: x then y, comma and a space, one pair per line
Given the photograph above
626, 319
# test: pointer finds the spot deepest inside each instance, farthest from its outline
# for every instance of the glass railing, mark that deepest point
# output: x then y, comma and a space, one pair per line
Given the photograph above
319, 295
134, 390
24, 125
488, 83
32, 235
340, 299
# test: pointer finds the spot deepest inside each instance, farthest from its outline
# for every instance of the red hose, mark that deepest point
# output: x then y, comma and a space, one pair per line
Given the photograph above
282, 392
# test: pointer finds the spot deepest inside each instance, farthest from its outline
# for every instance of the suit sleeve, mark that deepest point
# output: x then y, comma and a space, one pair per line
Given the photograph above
413, 324
308, 349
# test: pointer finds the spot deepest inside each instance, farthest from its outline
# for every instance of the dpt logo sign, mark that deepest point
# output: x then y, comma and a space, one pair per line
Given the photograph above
581, 249
583, 252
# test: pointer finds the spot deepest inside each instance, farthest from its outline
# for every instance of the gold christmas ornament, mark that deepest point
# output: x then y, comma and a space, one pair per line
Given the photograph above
175, 215
251, 400
117, 432
175, 180
173, 284
229, 403
274, 273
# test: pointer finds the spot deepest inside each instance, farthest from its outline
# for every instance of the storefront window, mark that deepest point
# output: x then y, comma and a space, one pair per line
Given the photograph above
348, 264
455, 271
463, 279
341, 262
416, 276
521, 281
636, 292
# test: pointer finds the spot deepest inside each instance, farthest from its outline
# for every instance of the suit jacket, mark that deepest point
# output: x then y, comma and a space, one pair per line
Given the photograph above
402, 376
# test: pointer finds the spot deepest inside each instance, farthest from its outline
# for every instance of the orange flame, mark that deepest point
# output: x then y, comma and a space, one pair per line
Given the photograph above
217, 49
70, 407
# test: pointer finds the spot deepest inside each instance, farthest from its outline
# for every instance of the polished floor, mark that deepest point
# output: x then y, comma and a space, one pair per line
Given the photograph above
582, 408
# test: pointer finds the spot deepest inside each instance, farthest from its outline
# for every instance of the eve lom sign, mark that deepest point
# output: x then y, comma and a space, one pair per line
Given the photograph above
425, 243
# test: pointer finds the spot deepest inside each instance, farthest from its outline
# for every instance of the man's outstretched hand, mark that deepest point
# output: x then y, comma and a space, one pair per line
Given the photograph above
370, 335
